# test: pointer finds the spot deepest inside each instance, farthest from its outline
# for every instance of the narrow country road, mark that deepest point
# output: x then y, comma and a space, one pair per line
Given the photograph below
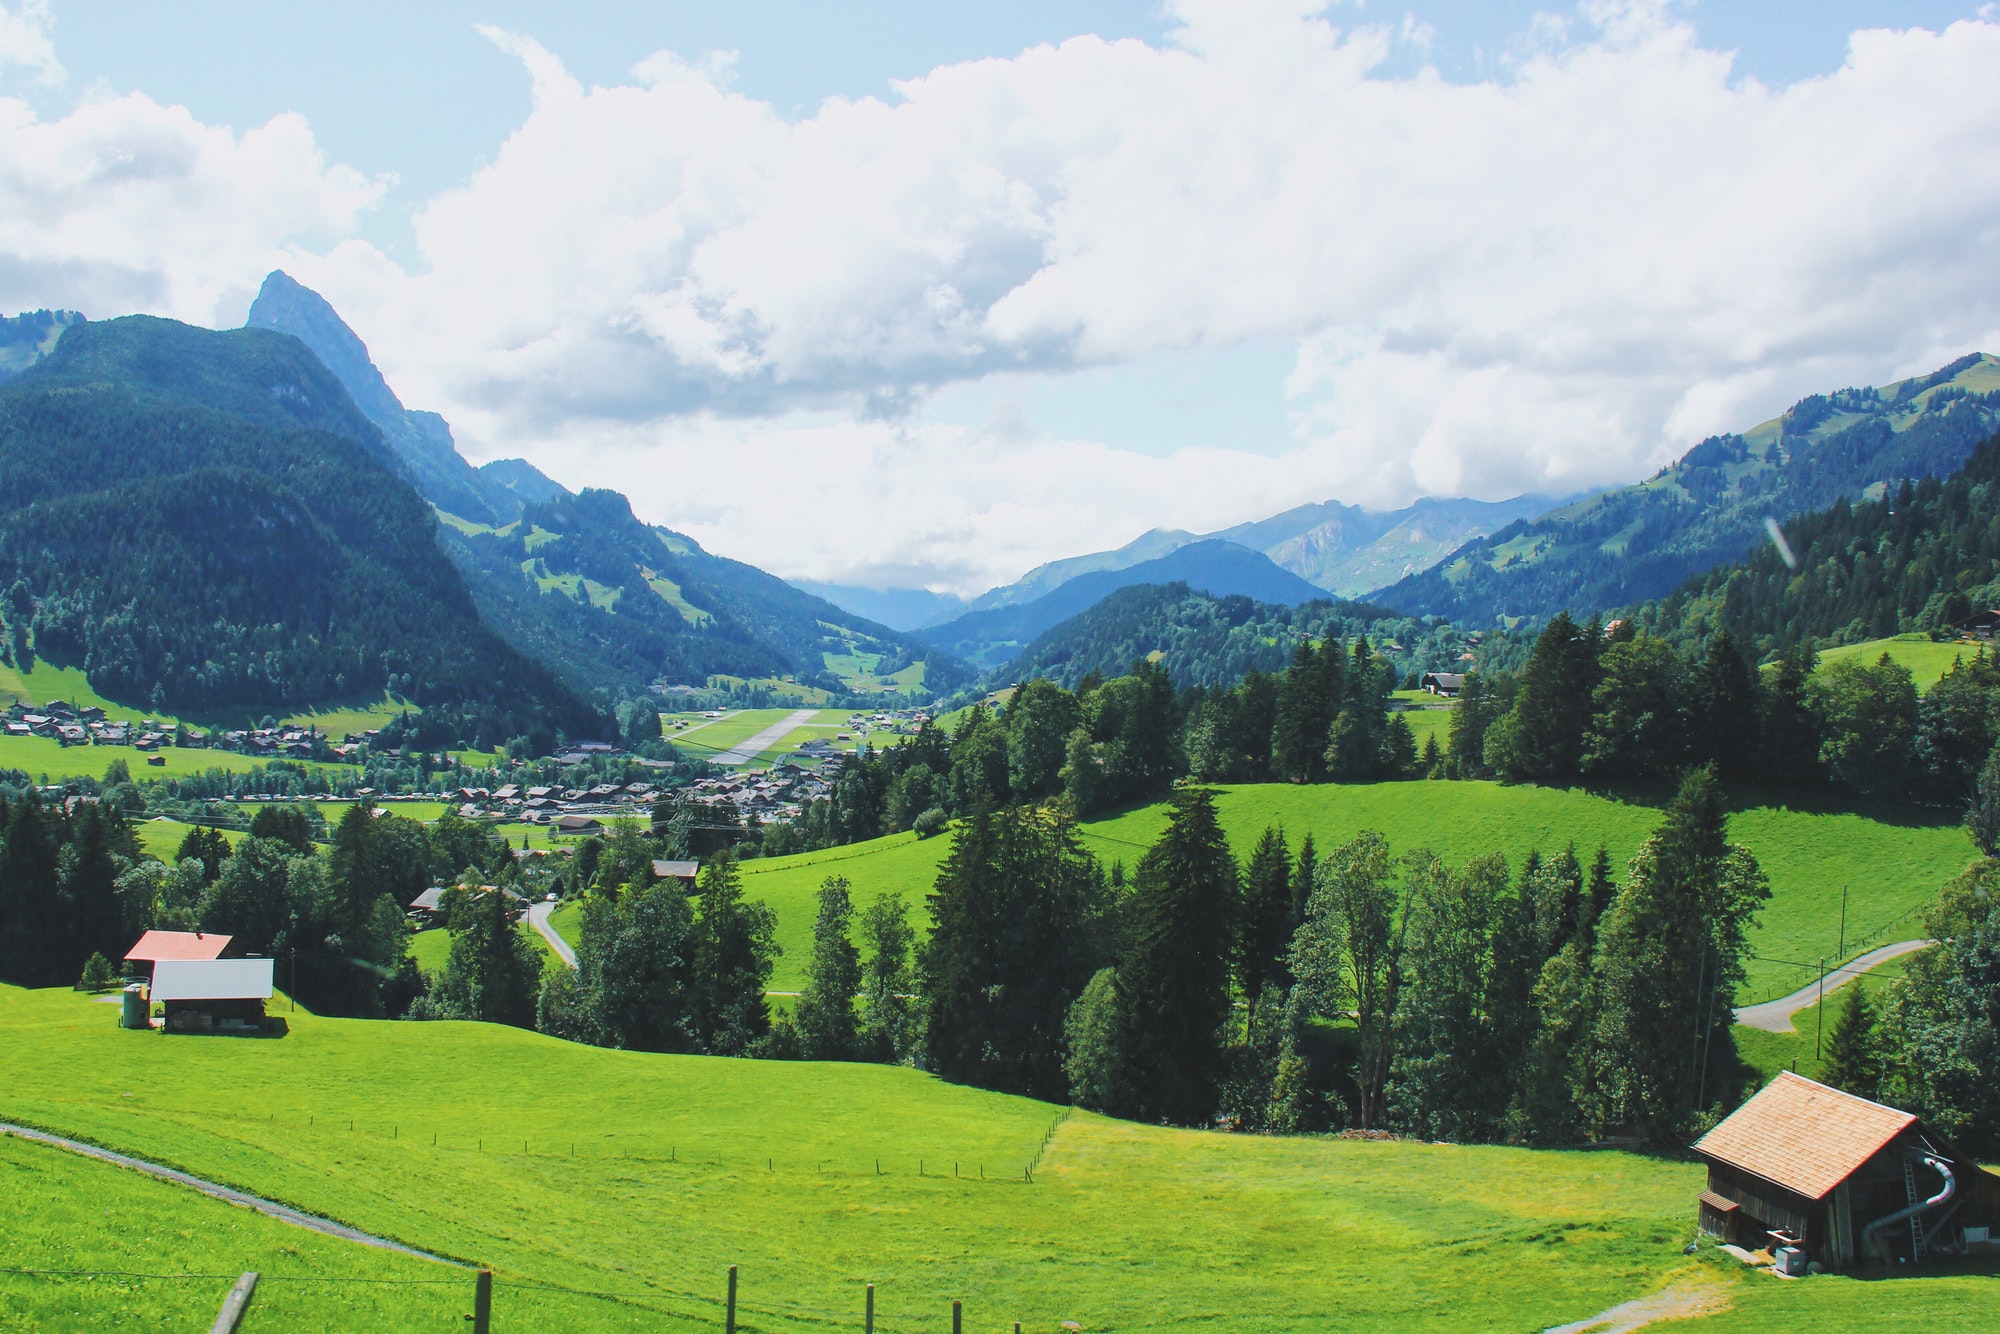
538, 917
284, 1213
1775, 1016
749, 750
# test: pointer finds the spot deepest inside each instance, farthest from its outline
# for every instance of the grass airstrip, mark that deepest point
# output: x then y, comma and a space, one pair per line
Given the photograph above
611, 1191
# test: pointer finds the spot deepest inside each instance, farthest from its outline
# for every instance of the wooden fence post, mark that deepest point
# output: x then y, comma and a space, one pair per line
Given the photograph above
957, 1318
235, 1304
482, 1302
868, 1318
729, 1319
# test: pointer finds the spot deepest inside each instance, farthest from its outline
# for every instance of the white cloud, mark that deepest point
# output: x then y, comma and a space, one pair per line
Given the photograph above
25, 43
125, 205
1549, 280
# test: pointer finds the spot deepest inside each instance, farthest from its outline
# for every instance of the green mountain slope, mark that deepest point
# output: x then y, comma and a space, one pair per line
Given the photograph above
204, 521
1622, 547
26, 339
1922, 559
579, 583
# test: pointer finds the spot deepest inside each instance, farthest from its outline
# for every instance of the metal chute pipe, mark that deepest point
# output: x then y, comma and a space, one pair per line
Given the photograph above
1950, 1188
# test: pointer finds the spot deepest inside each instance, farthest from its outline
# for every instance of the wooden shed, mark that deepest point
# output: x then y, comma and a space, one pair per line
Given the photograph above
203, 995
1844, 1179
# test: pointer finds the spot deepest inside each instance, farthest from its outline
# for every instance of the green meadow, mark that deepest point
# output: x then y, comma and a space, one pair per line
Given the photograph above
1926, 661
575, 1170
1891, 862
46, 682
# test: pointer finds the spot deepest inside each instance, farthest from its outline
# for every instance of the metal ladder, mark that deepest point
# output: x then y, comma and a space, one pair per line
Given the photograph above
1917, 1248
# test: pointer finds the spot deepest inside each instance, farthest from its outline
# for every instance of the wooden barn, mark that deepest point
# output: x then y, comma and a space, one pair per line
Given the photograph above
155, 946
206, 995
1845, 1180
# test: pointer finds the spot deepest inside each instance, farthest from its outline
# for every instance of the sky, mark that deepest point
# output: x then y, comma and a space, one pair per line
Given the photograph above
909, 294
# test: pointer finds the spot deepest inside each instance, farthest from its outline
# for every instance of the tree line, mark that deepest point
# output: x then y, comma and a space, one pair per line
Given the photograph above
1608, 705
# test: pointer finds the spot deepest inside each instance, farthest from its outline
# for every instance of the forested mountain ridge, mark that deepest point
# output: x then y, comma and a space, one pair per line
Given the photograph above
421, 439
1200, 639
616, 604
1624, 546
204, 521
577, 581
1922, 559
26, 339
992, 637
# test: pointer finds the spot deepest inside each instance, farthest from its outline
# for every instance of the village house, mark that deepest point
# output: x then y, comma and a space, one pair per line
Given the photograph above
208, 995
1446, 684
1824, 1177
155, 946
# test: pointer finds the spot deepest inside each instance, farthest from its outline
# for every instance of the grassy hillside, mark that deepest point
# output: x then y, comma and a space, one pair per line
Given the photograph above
685, 1165
1927, 661
1892, 862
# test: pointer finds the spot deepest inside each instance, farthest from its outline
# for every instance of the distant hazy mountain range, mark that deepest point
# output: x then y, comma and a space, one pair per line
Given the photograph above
580, 583
1622, 547
993, 635
1342, 550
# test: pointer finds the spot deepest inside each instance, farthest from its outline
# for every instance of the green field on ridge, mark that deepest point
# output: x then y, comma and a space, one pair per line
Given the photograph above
1892, 862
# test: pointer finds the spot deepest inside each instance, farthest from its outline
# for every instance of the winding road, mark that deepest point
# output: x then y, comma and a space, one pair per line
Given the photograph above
1775, 1016
538, 917
746, 751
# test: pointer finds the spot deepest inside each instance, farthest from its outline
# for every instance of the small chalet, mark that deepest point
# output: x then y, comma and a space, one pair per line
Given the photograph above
429, 905
1842, 1179
676, 870
204, 995
180, 946
1447, 684
578, 824
1980, 625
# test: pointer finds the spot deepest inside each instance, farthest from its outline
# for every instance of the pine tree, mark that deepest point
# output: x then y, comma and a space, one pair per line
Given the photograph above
1669, 958
1173, 983
1267, 917
1853, 1056
1982, 816
1308, 699
1541, 740
30, 910
733, 946
827, 1025
1726, 711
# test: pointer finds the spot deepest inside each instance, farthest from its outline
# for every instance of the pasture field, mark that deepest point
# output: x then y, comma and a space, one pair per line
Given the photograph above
1927, 661
46, 682
1891, 863
432, 949
38, 755
806, 1176
162, 837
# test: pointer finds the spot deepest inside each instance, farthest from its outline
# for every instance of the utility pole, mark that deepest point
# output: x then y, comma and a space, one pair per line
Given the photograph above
1819, 1010
1843, 922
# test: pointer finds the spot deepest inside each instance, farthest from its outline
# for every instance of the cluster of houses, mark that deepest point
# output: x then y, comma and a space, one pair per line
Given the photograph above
88, 725
776, 795
567, 810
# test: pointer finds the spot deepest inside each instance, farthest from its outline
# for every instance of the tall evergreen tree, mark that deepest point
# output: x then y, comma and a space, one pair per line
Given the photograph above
1307, 700
33, 948
1786, 730
1347, 959
1267, 918
1541, 740
733, 946
493, 974
1356, 741
1726, 710
1173, 983
828, 1026
1669, 959
889, 1022
1016, 906
1853, 1057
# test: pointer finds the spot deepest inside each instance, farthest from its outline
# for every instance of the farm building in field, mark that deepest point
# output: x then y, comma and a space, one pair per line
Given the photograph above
1841, 1179
186, 946
676, 870
1980, 625
581, 825
204, 995
1447, 684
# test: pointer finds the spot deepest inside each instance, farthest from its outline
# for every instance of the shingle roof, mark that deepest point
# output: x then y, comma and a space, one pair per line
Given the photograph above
157, 945
1804, 1136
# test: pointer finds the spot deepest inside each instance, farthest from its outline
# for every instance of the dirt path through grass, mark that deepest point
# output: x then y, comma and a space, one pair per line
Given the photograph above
1681, 1301
284, 1213
538, 917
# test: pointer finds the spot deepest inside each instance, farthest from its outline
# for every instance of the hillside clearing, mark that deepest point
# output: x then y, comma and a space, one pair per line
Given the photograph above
1892, 862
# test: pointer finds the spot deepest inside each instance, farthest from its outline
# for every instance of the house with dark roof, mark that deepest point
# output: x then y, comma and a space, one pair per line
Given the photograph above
1841, 1180
1447, 684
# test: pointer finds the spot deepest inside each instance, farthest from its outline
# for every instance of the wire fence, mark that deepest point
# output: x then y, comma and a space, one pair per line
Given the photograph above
724, 1308
1802, 971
